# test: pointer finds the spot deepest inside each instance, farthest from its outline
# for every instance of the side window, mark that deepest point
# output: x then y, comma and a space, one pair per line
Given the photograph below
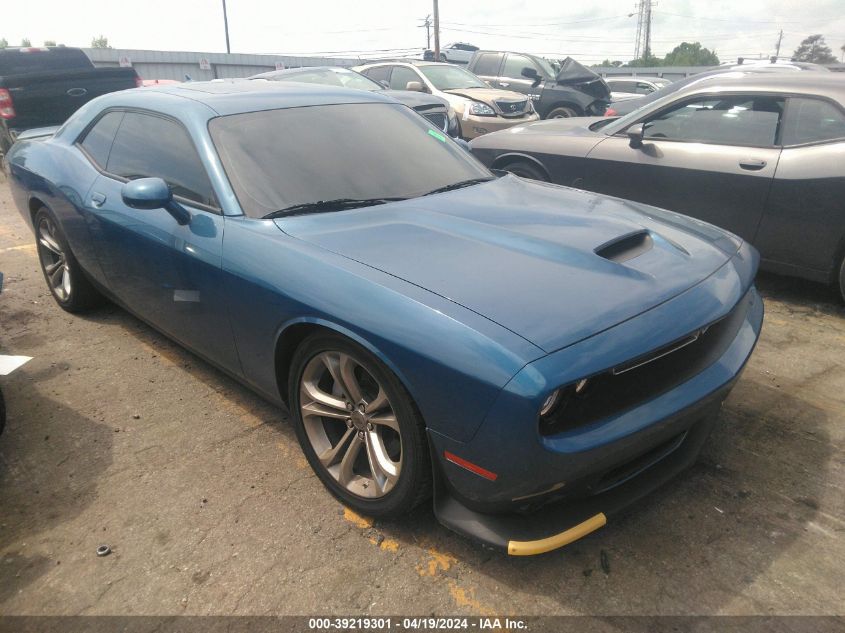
150, 146
401, 76
379, 73
726, 120
514, 65
812, 121
487, 64
98, 140
644, 89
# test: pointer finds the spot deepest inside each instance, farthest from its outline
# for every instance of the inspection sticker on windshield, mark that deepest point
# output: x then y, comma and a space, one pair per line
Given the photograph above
438, 136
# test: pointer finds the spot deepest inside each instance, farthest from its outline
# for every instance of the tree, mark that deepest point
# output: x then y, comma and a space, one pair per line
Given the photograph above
607, 63
4, 42
25, 42
100, 42
646, 60
49, 42
691, 54
814, 49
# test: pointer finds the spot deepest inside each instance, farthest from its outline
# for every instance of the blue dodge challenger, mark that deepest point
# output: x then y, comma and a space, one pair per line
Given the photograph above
534, 357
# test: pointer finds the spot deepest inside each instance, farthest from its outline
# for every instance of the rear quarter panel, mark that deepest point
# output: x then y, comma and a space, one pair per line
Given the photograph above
58, 176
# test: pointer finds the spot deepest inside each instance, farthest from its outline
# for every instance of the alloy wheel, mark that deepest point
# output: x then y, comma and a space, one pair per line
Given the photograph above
53, 260
351, 424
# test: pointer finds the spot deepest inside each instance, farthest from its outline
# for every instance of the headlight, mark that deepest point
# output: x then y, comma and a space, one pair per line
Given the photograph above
481, 109
560, 396
550, 403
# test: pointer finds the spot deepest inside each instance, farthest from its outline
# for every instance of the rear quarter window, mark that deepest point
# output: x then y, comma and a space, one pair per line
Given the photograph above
98, 141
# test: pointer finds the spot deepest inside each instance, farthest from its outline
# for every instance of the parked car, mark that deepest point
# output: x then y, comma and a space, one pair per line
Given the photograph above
457, 53
504, 345
435, 109
480, 108
759, 154
622, 88
571, 91
42, 87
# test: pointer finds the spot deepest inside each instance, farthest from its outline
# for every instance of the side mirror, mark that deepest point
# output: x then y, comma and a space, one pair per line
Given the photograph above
635, 135
463, 144
153, 193
530, 73
414, 86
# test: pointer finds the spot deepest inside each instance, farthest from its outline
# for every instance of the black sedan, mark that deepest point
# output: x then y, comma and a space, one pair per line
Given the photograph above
759, 154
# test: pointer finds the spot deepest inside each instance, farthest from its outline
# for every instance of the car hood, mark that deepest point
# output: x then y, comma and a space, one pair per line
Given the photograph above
416, 99
543, 261
572, 71
573, 126
487, 95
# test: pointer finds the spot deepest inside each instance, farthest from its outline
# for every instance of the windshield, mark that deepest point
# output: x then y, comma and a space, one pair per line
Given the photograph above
340, 77
447, 77
277, 159
546, 67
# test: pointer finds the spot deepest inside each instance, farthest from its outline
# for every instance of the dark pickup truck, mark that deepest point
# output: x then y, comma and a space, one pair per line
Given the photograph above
42, 87
571, 91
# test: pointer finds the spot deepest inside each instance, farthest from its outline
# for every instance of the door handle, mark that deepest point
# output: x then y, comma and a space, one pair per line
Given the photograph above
504, 84
98, 199
752, 164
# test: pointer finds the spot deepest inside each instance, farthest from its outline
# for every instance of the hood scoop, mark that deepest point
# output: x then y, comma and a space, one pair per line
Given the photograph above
629, 246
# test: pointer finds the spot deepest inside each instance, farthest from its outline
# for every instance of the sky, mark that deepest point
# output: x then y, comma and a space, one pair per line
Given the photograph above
590, 31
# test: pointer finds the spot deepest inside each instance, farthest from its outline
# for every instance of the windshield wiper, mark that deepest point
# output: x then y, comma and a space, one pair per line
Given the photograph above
324, 206
459, 185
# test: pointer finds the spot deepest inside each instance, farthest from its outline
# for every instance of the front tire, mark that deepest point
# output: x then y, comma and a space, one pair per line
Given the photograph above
358, 427
842, 279
562, 113
64, 276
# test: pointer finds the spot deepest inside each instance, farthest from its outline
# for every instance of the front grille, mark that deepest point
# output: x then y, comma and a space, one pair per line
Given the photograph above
439, 120
511, 108
640, 379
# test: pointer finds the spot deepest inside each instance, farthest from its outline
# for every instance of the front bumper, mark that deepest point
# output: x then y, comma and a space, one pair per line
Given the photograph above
561, 523
473, 126
554, 488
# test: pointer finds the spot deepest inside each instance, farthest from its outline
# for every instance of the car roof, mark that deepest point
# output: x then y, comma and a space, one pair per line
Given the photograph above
406, 62
298, 71
828, 84
235, 96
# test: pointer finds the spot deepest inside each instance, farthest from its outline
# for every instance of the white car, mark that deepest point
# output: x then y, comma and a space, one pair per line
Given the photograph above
622, 88
459, 53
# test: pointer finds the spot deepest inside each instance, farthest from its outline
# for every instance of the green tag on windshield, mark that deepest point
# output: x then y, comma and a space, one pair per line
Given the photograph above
438, 136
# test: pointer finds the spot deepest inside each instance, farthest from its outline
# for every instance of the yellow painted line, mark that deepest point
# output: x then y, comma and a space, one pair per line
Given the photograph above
356, 519
21, 247
529, 548
437, 562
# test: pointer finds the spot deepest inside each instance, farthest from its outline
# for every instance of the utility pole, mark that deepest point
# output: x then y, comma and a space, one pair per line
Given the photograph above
427, 24
226, 26
642, 49
436, 32
780, 39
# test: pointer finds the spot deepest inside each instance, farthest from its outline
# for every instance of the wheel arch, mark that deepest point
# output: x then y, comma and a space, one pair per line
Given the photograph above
503, 160
291, 335
35, 204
